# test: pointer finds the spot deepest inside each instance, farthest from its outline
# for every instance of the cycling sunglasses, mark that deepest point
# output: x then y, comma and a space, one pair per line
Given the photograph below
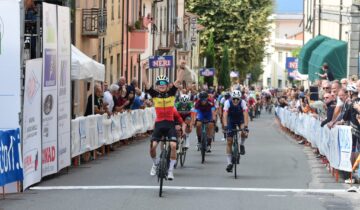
236, 99
162, 82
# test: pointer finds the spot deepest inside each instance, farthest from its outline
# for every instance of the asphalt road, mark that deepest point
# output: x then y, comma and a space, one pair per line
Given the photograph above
276, 173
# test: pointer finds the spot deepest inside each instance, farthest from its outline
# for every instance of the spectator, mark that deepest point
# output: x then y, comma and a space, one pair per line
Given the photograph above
109, 97
105, 86
137, 104
98, 102
344, 83
330, 104
120, 100
343, 96
328, 75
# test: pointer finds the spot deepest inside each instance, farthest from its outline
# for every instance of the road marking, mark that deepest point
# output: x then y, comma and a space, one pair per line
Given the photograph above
276, 195
134, 187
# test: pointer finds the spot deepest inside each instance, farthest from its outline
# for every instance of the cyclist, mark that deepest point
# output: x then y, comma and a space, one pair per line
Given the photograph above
221, 108
185, 109
235, 114
205, 111
164, 101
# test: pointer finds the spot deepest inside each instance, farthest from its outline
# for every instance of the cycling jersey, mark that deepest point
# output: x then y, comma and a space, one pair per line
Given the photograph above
184, 109
164, 103
204, 112
235, 112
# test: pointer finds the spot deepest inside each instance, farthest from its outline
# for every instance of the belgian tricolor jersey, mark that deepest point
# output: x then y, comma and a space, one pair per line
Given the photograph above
164, 103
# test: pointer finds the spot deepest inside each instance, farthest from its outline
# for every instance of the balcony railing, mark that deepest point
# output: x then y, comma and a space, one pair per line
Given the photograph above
94, 22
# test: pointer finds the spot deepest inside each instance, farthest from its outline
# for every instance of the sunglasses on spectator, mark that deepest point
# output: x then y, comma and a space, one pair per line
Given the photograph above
326, 97
326, 87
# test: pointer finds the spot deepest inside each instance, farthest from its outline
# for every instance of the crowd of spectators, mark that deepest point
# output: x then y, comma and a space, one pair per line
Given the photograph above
118, 97
335, 102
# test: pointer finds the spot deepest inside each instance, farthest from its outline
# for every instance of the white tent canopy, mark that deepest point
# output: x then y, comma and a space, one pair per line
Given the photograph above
83, 67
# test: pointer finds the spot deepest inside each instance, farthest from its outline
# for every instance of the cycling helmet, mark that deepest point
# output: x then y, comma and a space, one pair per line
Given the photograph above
184, 98
236, 94
203, 95
162, 78
351, 88
227, 95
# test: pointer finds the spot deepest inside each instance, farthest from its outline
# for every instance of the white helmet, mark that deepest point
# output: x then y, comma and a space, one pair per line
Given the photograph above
184, 98
236, 94
351, 88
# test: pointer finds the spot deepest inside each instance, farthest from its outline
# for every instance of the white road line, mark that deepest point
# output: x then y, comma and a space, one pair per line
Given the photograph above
134, 187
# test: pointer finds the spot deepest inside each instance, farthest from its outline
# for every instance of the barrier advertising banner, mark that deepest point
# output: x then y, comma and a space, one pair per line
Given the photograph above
10, 157
63, 81
32, 123
10, 69
10, 64
49, 91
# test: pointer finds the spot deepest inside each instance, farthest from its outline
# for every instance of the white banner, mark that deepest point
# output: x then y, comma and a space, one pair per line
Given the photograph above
345, 144
63, 81
10, 61
10, 64
32, 123
49, 92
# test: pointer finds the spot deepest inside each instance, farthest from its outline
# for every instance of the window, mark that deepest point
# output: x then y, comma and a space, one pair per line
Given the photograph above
279, 83
119, 9
105, 67
280, 57
118, 64
269, 82
111, 68
112, 9
144, 11
135, 71
165, 19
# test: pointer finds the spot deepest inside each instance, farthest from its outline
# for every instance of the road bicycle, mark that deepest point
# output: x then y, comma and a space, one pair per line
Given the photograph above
163, 166
204, 140
181, 151
235, 154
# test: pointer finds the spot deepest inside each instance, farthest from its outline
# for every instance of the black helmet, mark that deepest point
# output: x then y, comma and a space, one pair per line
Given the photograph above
203, 95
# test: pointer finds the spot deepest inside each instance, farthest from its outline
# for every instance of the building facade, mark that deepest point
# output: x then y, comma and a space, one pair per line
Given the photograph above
337, 19
286, 35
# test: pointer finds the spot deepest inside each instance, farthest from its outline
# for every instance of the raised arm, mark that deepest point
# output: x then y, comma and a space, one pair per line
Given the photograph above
180, 74
144, 77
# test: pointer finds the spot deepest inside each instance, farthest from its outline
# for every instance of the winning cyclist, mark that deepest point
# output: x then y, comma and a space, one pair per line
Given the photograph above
164, 101
235, 114
185, 109
205, 111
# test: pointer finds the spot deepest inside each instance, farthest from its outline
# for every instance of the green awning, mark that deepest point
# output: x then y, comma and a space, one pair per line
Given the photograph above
306, 50
334, 53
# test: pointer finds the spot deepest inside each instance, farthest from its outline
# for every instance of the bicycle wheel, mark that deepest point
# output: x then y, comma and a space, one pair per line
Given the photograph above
162, 170
203, 149
182, 158
235, 156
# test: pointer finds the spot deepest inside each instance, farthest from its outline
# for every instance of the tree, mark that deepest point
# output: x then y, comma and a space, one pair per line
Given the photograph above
210, 59
255, 73
296, 52
224, 71
242, 25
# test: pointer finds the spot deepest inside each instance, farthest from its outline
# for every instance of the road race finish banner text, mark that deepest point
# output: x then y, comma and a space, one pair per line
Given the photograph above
207, 72
49, 91
32, 123
10, 60
10, 157
166, 61
63, 81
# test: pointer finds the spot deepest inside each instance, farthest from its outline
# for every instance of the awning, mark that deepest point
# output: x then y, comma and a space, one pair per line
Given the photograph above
83, 67
306, 51
334, 53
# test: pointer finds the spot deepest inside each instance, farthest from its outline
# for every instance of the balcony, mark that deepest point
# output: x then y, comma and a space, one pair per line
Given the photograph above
138, 40
94, 22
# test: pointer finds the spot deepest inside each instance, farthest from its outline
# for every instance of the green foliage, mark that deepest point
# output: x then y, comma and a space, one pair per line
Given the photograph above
224, 71
210, 59
256, 72
242, 25
296, 52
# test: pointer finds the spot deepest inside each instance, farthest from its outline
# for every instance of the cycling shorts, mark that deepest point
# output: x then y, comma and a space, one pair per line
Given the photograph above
232, 126
164, 129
